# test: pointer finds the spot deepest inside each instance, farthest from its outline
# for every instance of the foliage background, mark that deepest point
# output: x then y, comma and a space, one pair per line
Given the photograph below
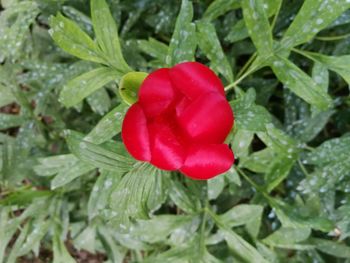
70, 192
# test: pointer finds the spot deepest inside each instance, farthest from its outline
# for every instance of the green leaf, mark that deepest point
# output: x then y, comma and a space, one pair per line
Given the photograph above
109, 126
132, 195
291, 217
331, 151
6, 96
243, 251
300, 83
215, 186
129, 86
313, 16
39, 230
232, 176
220, 7
209, 43
165, 225
106, 32
285, 237
258, 161
99, 101
79, 88
241, 215
180, 195
52, 165
69, 173
10, 121
333, 248
99, 156
258, 25
286, 153
154, 48
307, 129
239, 31
60, 253
24, 197
249, 116
183, 42
15, 21
101, 192
114, 251
241, 142
68, 36
340, 64
86, 239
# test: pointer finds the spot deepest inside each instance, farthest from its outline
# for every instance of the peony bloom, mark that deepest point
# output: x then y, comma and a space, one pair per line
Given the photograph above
180, 122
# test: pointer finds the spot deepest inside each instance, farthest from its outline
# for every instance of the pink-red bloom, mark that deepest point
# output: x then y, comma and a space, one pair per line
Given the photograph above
180, 122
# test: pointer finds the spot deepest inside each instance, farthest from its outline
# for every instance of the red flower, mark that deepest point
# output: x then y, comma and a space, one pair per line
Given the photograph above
180, 122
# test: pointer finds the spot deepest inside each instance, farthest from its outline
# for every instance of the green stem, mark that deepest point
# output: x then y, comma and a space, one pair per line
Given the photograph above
333, 38
234, 84
254, 185
305, 54
247, 64
303, 169
276, 16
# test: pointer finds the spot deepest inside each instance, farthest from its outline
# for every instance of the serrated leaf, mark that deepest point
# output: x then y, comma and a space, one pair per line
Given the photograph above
129, 86
98, 155
256, 19
82, 86
68, 36
300, 83
183, 41
313, 16
209, 43
106, 32
109, 126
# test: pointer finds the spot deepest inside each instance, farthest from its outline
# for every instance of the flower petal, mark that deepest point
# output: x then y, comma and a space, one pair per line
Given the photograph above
156, 93
135, 133
168, 153
208, 119
206, 161
193, 79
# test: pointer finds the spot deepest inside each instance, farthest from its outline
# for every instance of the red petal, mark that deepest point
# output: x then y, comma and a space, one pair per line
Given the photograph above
193, 79
135, 133
168, 153
208, 119
206, 161
156, 93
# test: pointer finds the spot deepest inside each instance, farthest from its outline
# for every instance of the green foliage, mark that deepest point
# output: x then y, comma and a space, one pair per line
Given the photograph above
68, 187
